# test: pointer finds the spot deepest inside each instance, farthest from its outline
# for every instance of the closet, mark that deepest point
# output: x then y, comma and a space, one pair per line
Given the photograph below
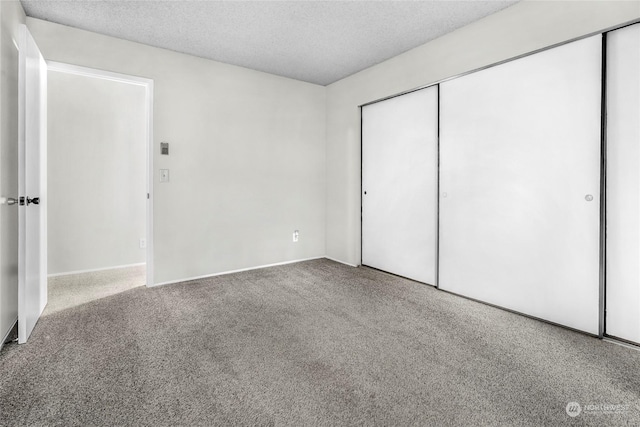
517, 185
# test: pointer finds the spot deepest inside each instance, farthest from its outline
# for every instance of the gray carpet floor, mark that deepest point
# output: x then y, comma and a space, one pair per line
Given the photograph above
313, 343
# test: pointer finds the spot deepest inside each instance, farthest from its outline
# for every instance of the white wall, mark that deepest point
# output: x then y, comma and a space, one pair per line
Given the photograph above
247, 155
11, 15
522, 28
96, 173
248, 160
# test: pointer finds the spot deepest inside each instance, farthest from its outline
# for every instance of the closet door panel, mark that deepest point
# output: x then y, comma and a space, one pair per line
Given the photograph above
623, 183
520, 184
399, 179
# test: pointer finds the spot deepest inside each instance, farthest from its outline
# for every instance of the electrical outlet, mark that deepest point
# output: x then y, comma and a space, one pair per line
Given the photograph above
143, 243
296, 235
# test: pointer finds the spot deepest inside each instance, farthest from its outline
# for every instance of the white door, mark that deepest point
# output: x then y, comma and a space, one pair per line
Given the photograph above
399, 185
32, 170
520, 185
623, 183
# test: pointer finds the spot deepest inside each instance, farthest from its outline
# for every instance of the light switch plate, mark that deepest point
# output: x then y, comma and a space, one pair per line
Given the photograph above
164, 175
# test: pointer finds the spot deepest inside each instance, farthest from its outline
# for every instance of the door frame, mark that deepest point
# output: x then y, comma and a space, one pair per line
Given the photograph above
148, 85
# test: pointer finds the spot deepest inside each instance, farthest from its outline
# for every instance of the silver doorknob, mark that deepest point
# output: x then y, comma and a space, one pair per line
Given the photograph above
12, 201
588, 197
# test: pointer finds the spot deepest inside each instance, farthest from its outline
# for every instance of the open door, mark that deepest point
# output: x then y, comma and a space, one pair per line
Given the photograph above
32, 179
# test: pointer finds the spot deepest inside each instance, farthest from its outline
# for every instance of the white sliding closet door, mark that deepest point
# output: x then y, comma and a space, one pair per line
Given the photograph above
520, 183
623, 183
399, 179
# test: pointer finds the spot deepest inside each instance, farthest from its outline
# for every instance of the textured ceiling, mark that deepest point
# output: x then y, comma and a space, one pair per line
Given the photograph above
314, 41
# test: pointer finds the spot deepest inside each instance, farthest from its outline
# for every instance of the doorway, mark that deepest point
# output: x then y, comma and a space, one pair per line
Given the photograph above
99, 177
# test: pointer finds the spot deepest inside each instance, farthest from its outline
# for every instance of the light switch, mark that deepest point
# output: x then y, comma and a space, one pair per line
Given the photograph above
164, 175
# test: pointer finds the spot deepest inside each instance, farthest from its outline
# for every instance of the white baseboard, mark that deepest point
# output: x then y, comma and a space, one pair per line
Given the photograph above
4, 339
234, 271
67, 273
341, 262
